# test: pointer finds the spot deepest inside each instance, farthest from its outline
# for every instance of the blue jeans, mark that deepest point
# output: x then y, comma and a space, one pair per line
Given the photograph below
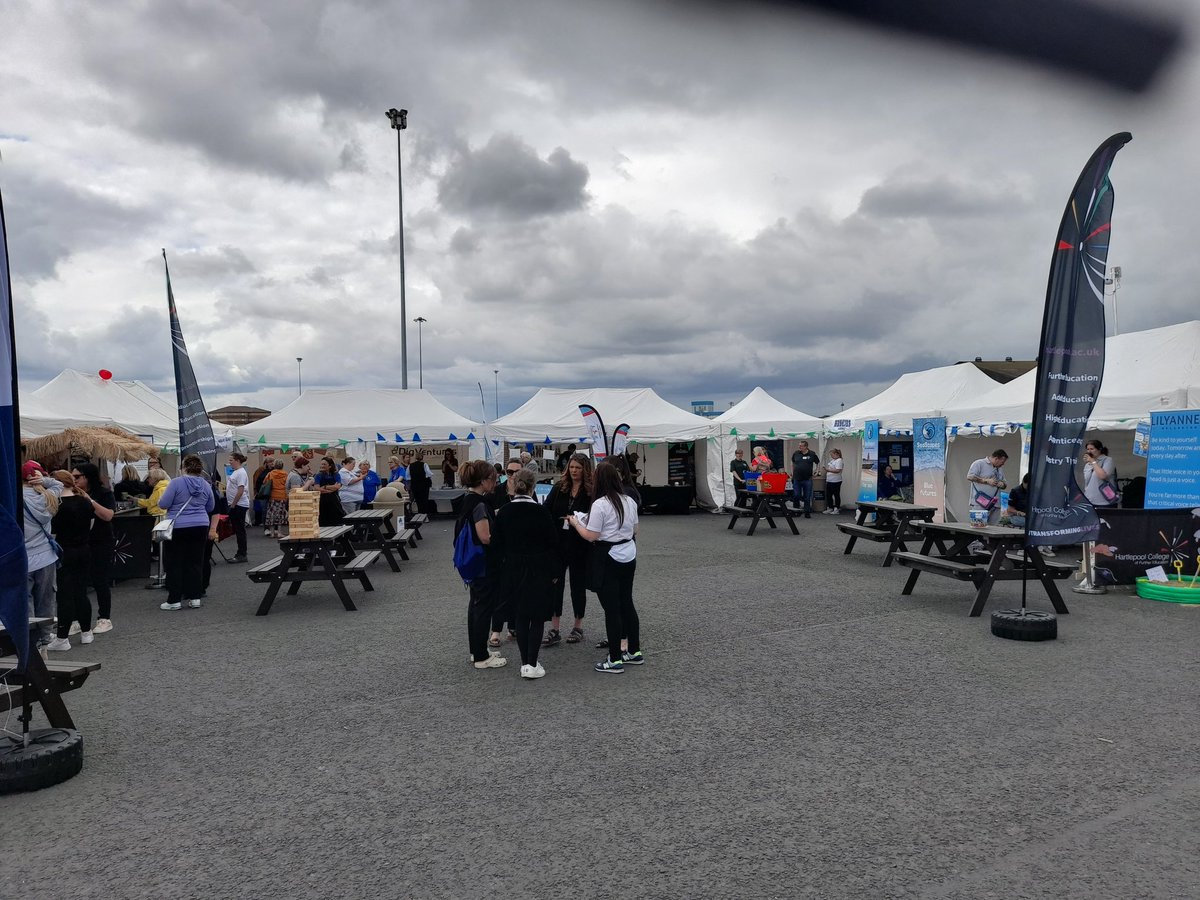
802, 493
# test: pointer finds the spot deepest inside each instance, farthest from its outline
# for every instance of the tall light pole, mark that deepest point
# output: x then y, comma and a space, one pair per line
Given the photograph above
420, 320
399, 120
496, 375
299, 380
1114, 281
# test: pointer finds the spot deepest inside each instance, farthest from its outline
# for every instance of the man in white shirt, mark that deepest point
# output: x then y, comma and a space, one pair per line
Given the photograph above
986, 480
351, 493
237, 494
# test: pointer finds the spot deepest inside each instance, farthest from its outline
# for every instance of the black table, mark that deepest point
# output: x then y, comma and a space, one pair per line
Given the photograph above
893, 529
371, 530
327, 557
764, 505
38, 683
945, 551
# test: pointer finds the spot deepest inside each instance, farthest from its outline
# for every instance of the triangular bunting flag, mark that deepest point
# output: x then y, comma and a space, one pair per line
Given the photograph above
416, 438
285, 447
452, 437
547, 440
379, 437
771, 433
470, 436
733, 431
262, 439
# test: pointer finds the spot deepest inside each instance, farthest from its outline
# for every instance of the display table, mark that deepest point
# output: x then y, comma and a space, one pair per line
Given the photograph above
131, 544
667, 499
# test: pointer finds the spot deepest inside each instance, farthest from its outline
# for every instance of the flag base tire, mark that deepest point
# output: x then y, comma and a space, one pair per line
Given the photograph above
53, 756
1024, 625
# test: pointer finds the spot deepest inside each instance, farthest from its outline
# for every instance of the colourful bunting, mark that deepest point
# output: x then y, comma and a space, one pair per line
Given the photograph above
262, 439
452, 437
470, 435
416, 438
379, 437
399, 440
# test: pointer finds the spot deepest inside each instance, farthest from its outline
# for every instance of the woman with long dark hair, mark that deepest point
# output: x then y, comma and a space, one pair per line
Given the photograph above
571, 494
612, 525
329, 508
189, 503
72, 525
526, 547
478, 477
100, 541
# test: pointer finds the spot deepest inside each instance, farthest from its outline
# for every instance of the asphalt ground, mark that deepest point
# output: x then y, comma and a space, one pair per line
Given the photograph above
799, 730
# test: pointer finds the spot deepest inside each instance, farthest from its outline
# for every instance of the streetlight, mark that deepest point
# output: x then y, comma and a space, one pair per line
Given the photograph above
496, 375
399, 120
420, 320
299, 380
1114, 281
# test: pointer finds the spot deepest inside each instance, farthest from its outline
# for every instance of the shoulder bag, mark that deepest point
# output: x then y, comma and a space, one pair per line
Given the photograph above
164, 529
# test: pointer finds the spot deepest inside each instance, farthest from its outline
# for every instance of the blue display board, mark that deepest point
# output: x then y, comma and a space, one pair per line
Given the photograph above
870, 461
1174, 460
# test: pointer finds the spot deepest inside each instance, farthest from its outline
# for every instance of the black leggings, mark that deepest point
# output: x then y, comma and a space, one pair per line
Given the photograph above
484, 594
184, 563
100, 560
73, 603
620, 616
833, 490
576, 565
529, 637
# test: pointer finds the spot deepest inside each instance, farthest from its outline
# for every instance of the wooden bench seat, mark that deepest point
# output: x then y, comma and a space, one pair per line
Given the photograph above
401, 542
414, 524
867, 532
1054, 567
960, 570
262, 572
65, 675
357, 567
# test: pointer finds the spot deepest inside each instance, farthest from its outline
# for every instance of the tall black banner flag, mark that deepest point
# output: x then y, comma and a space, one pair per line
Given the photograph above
195, 432
1071, 358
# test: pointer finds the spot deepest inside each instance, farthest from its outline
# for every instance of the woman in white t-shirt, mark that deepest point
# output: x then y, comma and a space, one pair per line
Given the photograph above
613, 519
833, 482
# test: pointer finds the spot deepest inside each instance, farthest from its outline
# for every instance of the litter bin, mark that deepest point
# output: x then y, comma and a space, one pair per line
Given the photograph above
818, 500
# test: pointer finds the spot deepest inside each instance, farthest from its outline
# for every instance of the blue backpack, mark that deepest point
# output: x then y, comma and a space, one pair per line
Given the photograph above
469, 558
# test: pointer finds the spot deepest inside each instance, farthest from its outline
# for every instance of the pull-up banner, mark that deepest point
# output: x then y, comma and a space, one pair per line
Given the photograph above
870, 461
1071, 358
929, 464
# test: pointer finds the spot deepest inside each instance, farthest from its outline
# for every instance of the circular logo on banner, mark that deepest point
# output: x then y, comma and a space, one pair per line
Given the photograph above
927, 431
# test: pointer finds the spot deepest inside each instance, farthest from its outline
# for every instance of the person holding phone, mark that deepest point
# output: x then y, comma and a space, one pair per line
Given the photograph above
1099, 476
986, 481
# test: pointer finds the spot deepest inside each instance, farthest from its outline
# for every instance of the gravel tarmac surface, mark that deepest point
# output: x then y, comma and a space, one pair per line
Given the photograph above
799, 730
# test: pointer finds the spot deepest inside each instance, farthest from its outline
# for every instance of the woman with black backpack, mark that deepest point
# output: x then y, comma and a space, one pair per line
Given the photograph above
479, 478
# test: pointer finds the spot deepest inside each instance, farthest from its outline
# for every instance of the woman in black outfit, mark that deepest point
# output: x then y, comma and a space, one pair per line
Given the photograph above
478, 477
72, 525
526, 547
571, 494
329, 505
100, 542
420, 482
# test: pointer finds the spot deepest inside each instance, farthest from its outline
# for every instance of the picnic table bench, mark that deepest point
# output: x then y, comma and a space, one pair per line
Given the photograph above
328, 557
893, 521
764, 505
372, 530
415, 523
402, 541
946, 551
43, 682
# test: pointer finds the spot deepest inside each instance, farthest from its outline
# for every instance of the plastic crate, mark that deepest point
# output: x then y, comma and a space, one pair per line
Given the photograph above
773, 482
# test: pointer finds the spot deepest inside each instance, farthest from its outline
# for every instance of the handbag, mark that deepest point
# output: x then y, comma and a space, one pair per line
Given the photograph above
164, 529
264, 492
986, 501
54, 545
1108, 492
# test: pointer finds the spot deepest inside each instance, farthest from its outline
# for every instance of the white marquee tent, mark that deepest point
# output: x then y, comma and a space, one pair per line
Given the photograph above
333, 416
75, 398
554, 413
758, 413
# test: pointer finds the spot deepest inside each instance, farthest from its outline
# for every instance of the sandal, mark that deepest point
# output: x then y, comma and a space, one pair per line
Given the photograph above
494, 642
575, 636
600, 645
552, 638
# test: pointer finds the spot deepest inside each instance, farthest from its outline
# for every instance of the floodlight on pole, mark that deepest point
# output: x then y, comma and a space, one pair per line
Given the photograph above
299, 378
399, 120
1114, 281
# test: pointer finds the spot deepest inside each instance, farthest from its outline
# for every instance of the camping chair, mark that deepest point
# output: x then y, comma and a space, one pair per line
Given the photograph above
224, 530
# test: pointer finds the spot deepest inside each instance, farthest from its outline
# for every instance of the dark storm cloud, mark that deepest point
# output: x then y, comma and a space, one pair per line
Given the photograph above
506, 179
49, 220
904, 198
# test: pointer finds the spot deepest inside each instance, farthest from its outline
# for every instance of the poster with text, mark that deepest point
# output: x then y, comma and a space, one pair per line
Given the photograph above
870, 460
929, 465
1134, 540
1174, 459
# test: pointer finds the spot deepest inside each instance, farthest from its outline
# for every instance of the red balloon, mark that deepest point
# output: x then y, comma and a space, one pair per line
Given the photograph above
105, 374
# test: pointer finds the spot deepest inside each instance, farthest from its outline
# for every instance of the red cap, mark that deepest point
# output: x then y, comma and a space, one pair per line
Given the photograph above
30, 467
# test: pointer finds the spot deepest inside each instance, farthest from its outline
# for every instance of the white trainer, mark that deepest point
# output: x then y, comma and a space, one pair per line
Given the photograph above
86, 637
75, 629
492, 662
170, 606
525, 670
102, 626
194, 603
536, 672
59, 644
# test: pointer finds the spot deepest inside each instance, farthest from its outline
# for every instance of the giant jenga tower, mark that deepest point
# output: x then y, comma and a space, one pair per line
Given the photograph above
303, 514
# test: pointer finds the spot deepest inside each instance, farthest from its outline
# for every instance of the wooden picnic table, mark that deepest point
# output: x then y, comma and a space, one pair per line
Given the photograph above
764, 505
373, 530
42, 682
328, 557
892, 524
946, 551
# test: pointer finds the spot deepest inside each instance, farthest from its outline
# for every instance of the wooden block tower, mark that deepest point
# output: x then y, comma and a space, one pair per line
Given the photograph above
303, 514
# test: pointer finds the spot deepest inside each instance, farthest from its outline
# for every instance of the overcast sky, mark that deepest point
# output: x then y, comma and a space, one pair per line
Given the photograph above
596, 194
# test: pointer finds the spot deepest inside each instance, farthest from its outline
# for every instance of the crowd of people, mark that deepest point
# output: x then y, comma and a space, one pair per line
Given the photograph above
585, 531
806, 466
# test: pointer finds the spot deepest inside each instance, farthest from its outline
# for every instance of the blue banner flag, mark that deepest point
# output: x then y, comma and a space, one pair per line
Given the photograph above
1071, 358
195, 431
14, 564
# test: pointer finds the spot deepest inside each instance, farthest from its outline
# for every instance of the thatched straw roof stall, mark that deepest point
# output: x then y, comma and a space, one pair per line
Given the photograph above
94, 441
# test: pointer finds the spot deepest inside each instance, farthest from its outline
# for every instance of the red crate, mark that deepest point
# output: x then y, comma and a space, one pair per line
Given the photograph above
773, 482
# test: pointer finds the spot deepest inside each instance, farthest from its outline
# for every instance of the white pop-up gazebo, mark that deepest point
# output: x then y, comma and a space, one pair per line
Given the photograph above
552, 416
74, 398
758, 414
